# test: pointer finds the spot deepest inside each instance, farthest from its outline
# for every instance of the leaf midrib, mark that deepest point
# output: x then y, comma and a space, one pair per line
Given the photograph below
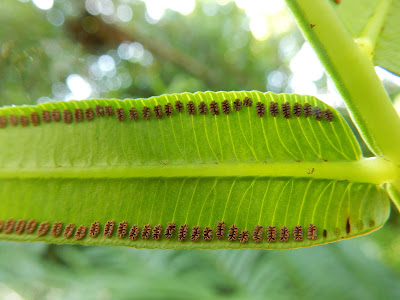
372, 170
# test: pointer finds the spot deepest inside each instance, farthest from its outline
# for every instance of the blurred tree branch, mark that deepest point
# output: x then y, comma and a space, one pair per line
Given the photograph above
101, 35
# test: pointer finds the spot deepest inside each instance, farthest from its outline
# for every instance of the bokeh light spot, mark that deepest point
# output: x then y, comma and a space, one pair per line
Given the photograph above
106, 7
147, 58
106, 63
55, 17
79, 87
259, 27
276, 81
124, 13
306, 64
92, 7
156, 8
43, 4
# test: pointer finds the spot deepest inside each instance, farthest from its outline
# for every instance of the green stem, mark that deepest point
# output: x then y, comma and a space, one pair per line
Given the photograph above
353, 73
376, 170
369, 35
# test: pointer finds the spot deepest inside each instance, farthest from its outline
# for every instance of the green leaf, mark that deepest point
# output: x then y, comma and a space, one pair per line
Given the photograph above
393, 188
349, 63
377, 28
197, 169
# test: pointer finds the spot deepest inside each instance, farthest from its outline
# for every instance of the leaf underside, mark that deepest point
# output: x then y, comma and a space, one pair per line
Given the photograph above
233, 167
386, 52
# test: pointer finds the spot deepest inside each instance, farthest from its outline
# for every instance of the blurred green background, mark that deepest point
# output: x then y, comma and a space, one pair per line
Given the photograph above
58, 50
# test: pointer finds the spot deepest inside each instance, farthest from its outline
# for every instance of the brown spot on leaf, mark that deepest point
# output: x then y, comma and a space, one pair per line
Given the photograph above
348, 226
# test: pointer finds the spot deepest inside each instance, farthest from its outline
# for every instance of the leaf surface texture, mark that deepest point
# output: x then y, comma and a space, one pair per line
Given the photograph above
238, 168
